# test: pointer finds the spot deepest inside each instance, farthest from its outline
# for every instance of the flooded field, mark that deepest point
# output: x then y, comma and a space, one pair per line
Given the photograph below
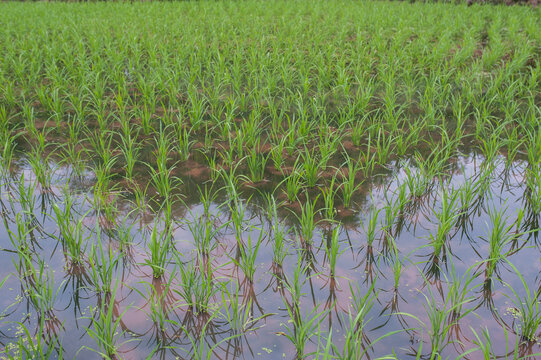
270, 180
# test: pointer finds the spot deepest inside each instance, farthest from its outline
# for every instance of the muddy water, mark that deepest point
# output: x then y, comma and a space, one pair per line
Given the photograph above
424, 277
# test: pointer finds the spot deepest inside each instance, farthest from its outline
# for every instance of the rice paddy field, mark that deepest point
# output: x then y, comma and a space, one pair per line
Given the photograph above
270, 180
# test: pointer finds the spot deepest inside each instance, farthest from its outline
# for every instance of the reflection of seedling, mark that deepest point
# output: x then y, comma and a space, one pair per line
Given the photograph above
307, 219
348, 186
248, 254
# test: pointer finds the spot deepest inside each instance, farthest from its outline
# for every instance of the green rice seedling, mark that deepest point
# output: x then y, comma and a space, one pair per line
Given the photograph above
34, 344
160, 173
238, 213
183, 142
303, 328
292, 138
256, 164
533, 188
72, 232
124, 236
348, 187
106, 328
459, 288
295, 283
157, 293
130, 150
159, 246
333, 251
197, 109
329, 194
328, 145
188, 281
277, 234
207, 196
391, 210
231, 182
145, 114
27, 198
397, 264
533, 145
311, 168
358, 130
357, 344
238, 312
101, 144
277, 154
102, 265
212, 161
140, 201
205, 288
40, 168
307, 220
247, 255
294, 184
371, 225
500, 235
102, 186
324, 350
39, 287
21, 245
197, 287
447, 217
237, 142
442, 317
483, 345
526, 309
204, 233
417, 182
384, 146
8, 145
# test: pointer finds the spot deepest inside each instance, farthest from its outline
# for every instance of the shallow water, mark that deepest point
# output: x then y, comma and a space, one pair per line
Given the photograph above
424, 276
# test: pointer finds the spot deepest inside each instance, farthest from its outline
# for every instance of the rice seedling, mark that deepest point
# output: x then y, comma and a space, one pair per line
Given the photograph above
329, 194
277, 235
32, 345
106, 328
446, 218
204, 232
294, 184
157, 293
247, 254
303, 329
256, 164
312, 167
526, 309
130, 150
238, 314
307, 219
371, 226
72, 232
333, 251
159, 246
348, 187
102, 265
501, 235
